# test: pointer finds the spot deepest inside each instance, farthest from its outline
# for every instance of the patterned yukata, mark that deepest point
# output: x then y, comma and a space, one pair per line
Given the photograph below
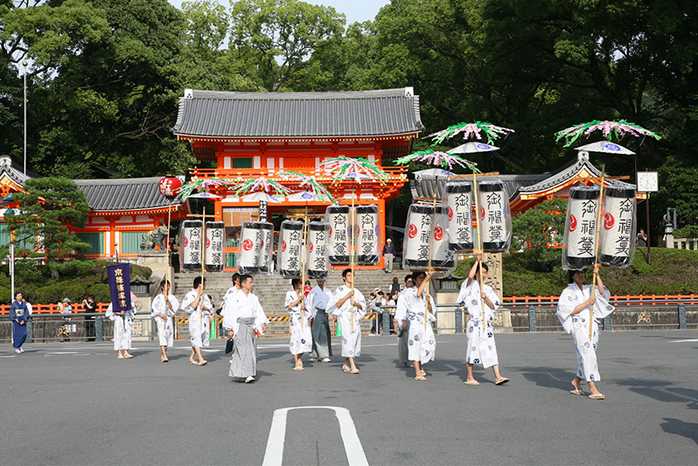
578, 327
481, 348
301, 332
351, 335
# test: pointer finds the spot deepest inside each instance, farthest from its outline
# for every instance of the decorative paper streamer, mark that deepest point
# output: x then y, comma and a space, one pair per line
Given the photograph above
261, 184
353, 168
311, 184
611, 130
437, 159
474, 130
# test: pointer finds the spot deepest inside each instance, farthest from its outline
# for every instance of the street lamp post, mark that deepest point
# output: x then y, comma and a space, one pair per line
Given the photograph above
25, 65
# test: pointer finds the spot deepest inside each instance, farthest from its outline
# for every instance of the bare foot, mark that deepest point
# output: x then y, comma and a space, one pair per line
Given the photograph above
471, 382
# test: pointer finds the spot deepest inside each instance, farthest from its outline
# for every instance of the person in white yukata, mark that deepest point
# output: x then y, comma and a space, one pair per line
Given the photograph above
402, 325
195, 304
318, 299
227, 307
163, 309
577, 304
481, 348
300, 321
421, 344
348, 306
123, 322
248, 321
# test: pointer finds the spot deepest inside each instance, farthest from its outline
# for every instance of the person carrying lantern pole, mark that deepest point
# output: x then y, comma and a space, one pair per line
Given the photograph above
348, 305
163, 309
300, 324
421, 345
480, 303
196, 304
318, 299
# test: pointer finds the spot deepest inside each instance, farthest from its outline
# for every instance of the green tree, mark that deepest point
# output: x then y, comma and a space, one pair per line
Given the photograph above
48, 207
536, 230
277, 38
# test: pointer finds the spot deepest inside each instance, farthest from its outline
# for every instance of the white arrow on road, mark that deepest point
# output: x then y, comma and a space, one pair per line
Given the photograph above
274, 454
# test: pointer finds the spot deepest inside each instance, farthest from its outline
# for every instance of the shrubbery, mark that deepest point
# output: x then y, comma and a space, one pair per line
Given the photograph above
75, 279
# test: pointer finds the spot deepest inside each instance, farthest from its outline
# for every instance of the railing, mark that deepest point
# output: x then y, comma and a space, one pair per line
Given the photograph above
618, 300
52, 309
394, 173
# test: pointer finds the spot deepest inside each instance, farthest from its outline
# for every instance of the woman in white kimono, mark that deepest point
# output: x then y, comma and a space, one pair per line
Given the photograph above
300, 324
163, 309
195, 304
248, 321
481, 348
573, 310
421, 344
349, 306
123, 322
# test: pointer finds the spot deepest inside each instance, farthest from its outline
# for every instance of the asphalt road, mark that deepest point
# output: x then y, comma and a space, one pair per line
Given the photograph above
75, 404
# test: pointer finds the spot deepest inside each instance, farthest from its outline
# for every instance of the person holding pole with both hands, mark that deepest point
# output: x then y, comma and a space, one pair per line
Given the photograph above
194, 304
300, 324
421, 345
349, 305
481, 304
577, 304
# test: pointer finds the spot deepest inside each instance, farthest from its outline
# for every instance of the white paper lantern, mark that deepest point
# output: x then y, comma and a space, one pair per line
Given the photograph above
318, 241
339, 240
580, 228
215, 232
290, 248
495, 216
619, 224
190, 237
255, 247
425, 242
367, 235
459, 201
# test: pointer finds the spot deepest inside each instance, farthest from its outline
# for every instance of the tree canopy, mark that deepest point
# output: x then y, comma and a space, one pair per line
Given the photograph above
105, 75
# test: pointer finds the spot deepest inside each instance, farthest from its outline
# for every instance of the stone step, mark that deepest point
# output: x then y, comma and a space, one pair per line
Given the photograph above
272, 289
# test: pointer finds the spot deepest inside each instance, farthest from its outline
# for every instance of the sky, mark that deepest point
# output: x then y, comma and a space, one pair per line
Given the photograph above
354, 10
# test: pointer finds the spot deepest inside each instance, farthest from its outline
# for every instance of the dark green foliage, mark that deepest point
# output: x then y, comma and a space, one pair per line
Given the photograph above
671, 271
76, 279
49, 205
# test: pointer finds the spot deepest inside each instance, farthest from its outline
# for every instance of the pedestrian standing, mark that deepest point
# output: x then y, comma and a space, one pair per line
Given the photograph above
402, 324
20, 313
89, 307
388, 255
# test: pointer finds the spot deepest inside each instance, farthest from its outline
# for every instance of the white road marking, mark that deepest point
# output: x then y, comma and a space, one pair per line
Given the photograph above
9, 356
691, 340
61, 352
274, 454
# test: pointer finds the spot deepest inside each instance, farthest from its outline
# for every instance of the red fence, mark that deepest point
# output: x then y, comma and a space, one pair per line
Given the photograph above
47, 309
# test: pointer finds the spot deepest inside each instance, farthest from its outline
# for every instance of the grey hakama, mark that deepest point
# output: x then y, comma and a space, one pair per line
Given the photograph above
318, 300
247, 319
578, 327
243, 362
403, 326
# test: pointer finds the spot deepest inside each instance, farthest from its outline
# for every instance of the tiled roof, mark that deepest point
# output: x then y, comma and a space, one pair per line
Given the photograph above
123, 194
298, 114
568, 173
6, 169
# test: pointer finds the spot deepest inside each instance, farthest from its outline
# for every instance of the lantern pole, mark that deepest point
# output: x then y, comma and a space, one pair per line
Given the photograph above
478, 248
597, 232
429, 266
352, 251
304, 252
203, 253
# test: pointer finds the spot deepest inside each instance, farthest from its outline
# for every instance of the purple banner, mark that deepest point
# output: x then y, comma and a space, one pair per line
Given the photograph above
119, 278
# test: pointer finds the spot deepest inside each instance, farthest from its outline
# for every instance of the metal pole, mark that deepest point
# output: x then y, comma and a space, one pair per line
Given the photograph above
12, 267
25, 119
649, 235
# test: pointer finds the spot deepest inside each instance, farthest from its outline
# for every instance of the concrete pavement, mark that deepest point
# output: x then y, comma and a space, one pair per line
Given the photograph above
75, 404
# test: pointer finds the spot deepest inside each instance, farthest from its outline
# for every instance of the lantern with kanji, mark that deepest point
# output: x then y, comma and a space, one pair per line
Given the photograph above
170, 186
